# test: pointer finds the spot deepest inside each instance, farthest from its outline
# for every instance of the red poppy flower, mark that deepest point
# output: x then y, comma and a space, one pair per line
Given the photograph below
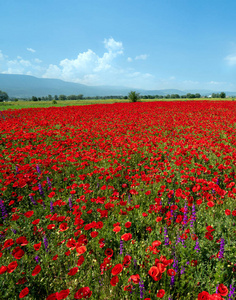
63, 227
52, 296
52, 194
80, 250
161, 293
128, 224
22, 241
93, 234
117, 269
51, 226
227, 212
21, 281
73, 271
126, 237
63, 294
153, 272
171, 272
134, 278
24, 293
29, 214
35, 222
37, 246
109, 252
80, 261
116, 229
8, 243
3, 269
83, 293
18, 253
12, 266
222, 290
55, 257
128, 288
114, 281
203, 295
36, 270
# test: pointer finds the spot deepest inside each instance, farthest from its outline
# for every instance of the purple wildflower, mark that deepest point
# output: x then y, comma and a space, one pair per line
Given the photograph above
222, 247
32, 200
135, 263
38, 169
40, 189
175, 267
166, 236
193, 215
197, 247
129, 199
3, 209
70, 203
45, 240
51, 206
231, 292
121, 246
141, 288
185, 219
37, 258
49, 183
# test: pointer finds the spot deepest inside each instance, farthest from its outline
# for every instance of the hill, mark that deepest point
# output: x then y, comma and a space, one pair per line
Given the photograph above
26, 86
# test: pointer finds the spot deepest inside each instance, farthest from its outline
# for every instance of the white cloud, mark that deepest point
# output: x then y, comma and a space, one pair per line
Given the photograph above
231, 59
129, 59
38, 61
87, 67
217, 82
19, 66
141, 57
31, 50
112, 46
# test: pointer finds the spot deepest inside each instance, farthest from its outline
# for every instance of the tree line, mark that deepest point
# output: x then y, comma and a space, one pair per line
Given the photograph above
4, 97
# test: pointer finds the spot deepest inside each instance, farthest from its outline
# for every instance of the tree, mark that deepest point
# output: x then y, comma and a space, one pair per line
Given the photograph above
3, 96
34, 98
222, 95
56, 97
80, 96
133, 96
50, 97
62, 97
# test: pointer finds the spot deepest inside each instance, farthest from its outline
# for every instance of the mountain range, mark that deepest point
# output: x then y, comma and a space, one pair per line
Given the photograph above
26, 86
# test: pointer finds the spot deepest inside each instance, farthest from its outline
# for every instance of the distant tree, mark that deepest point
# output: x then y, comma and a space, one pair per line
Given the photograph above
62, 97
80, 96
3, 96
71, 97
55, 97
50, 97
197, 95
222, 95
34, 98
133, 96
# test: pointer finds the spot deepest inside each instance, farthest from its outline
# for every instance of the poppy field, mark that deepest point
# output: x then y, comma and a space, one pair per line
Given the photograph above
119, 201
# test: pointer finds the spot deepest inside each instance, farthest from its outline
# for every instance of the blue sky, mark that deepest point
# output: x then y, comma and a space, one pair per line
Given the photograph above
150, 44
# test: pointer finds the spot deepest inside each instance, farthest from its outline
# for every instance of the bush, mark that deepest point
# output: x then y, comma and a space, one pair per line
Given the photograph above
133, 96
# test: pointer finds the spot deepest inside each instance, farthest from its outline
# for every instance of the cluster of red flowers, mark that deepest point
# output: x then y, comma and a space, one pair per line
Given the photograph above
151, 183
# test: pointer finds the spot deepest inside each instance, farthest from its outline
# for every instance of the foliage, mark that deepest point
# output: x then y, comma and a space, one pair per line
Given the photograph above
133, 96
105, 202
3, 96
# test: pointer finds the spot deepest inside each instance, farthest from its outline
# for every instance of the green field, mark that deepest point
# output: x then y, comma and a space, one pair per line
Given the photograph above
31, 104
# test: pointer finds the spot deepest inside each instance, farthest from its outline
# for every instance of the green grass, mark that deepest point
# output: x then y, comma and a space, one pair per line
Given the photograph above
31, 104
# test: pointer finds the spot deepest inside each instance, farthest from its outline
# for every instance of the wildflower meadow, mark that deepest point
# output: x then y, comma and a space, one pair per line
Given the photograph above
119, 201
